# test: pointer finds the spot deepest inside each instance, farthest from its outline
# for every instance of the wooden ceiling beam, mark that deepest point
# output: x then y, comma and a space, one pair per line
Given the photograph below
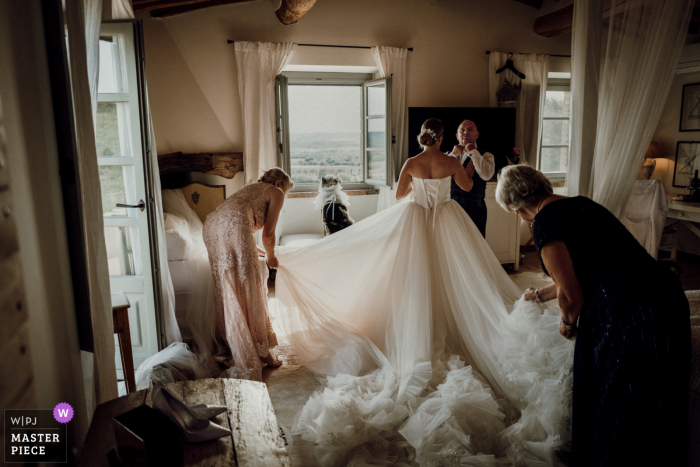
533, 3
555, 23
561, 21
186, 8
291, 11
148, 5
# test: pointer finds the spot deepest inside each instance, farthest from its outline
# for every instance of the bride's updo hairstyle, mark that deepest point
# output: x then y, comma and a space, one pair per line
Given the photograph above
275, 175
431, 130
521, 185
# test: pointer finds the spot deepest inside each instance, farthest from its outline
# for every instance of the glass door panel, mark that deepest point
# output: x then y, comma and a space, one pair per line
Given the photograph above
122, 179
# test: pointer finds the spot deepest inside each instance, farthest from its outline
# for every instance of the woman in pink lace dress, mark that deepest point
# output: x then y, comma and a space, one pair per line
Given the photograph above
243, 330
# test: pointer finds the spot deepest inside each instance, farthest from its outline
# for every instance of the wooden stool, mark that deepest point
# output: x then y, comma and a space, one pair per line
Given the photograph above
120, 317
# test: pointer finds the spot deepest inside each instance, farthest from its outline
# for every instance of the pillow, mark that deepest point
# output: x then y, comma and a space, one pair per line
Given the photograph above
176, 245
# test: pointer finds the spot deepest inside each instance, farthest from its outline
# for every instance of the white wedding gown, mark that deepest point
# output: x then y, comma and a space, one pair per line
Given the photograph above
430, 355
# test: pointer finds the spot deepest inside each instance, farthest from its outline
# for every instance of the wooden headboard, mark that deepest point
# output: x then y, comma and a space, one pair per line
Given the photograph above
201, 197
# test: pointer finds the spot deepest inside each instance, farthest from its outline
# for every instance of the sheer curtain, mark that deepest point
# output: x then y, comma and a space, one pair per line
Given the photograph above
392, 62
644, 44
83, 20
257, 65
529, 104
585, 72
121, 9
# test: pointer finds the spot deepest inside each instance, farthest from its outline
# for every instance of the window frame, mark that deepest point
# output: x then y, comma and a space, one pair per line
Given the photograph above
555, 84
291, 78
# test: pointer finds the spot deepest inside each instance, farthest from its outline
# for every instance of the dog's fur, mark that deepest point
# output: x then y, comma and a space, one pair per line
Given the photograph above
333, 204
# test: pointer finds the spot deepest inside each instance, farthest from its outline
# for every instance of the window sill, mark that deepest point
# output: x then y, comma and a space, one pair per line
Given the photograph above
313, 194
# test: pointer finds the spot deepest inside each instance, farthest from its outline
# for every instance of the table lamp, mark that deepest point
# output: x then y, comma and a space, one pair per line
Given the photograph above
649, 163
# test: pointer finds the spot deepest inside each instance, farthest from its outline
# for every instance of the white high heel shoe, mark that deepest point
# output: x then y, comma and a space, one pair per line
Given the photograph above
207, 412
192, 428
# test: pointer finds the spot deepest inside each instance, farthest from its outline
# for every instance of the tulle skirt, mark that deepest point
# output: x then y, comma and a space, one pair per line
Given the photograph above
428, 353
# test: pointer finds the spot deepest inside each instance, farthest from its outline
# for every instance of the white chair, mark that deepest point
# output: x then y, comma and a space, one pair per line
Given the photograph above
645, 214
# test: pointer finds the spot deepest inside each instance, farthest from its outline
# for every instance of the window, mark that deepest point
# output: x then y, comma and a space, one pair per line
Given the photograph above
554, 152
333, 124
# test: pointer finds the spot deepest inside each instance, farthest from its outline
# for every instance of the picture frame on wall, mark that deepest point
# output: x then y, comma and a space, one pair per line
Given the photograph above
690, 108
687, 162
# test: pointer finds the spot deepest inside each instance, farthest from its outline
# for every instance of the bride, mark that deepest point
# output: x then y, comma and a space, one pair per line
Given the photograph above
429, 354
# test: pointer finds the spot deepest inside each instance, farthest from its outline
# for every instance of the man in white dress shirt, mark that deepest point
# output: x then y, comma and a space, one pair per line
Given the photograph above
473, 202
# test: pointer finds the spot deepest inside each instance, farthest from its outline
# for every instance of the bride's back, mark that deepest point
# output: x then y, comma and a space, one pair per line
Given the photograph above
432, 164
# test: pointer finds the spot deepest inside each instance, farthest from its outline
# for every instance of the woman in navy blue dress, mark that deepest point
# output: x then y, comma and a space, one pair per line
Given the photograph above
631, 321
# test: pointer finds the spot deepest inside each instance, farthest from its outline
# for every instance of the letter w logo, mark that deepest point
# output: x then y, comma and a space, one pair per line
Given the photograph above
62, 413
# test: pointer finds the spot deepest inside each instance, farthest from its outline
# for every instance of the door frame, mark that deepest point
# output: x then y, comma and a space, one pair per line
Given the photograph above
146, 147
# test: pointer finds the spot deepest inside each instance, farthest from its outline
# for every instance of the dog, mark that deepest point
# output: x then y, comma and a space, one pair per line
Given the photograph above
333, 204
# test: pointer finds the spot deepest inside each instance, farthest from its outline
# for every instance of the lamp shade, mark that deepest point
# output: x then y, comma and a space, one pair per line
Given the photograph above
654, 151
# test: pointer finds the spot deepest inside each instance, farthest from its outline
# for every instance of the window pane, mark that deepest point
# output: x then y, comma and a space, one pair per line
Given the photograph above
377, 165
112, 67
555, 132
120, 243
325, 132
554, 159
376, 133
112, 129
557, 104
116, 182
376, 100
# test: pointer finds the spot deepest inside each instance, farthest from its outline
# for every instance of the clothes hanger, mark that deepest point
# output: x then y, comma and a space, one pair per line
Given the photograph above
509, 66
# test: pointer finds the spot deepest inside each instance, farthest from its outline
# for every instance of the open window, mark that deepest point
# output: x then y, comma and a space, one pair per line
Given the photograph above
334, 124
554, 150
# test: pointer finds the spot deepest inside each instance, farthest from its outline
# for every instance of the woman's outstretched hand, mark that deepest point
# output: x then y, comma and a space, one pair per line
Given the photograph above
529, 294
272, 262
568, 332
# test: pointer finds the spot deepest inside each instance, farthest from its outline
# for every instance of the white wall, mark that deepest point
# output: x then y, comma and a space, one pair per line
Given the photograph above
193, 87
192, 81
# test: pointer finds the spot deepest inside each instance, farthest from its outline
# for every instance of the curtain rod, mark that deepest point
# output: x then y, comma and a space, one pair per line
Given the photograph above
488, 52
410, 49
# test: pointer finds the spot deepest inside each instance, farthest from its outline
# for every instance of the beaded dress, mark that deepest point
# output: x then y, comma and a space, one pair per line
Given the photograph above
632, 357
243, 329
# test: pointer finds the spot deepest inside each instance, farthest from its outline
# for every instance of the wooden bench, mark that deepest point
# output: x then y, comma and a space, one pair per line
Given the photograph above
120, 318
255, 439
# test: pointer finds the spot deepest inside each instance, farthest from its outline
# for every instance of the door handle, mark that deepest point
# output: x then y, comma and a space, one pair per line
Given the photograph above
141, 205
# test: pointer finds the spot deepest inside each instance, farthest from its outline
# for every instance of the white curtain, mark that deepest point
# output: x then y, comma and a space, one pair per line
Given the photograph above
529, 103
257, 66
644, 44
121, 9
585, 72
83, 20
391, 61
